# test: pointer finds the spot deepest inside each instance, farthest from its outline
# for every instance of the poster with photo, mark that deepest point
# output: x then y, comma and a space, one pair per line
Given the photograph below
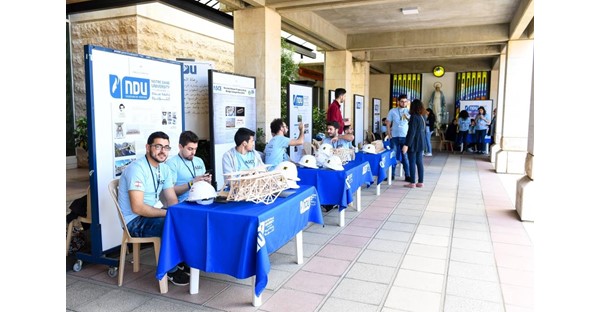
376, 115
299, 112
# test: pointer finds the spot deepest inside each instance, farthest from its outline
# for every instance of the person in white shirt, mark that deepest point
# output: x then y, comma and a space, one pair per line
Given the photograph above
242, 156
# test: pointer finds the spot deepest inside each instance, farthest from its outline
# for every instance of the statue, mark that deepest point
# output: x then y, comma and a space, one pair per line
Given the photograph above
438, 103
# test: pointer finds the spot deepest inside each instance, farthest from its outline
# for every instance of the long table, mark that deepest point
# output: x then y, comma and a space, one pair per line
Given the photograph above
234, 238
381, 165
337, 187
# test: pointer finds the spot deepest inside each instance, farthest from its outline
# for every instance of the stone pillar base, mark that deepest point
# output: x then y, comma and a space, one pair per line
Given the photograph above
494, 149
525, 199
510, 161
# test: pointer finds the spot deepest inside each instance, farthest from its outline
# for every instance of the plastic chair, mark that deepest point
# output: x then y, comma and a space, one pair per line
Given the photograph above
87, 219
447, 144
113, 187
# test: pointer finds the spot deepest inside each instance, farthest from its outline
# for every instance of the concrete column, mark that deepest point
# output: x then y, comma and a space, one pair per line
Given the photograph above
528, 195
338, 74
360, 85
517, 102
498, 79
257, 53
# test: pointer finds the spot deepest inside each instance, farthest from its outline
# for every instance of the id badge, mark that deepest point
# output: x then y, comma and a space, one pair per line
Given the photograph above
158, 204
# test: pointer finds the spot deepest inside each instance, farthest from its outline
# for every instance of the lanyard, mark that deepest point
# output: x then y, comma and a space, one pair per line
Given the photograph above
156, 184
188, 168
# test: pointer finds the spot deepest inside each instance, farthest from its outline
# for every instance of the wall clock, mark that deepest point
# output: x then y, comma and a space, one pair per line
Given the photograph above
439, 71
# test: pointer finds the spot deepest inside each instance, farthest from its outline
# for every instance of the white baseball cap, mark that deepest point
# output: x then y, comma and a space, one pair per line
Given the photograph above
202, 193
334, 162
308, 161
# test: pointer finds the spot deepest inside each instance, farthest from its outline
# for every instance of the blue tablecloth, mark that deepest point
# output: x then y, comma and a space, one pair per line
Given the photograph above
337, 187
471, 138
235, 238
379, 162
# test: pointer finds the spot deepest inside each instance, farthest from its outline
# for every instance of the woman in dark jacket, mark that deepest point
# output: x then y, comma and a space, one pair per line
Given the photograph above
415, 142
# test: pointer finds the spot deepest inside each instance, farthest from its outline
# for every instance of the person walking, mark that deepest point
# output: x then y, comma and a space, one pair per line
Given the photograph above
429, 129
415, 143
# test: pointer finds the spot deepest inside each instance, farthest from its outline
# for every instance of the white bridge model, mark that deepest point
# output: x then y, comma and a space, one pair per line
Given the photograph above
256, 185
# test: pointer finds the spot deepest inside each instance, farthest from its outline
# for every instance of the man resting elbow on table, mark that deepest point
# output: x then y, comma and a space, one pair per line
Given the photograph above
139, 192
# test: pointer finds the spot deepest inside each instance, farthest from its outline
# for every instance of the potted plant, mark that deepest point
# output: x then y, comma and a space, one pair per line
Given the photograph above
81, 142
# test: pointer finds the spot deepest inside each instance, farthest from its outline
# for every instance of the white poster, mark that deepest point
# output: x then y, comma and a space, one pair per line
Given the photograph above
472, 107
359, 119
195, 88
232, 103
376, 115
300, 111
129, 97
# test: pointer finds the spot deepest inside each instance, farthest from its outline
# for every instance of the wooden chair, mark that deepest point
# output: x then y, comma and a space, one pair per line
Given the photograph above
87, 219
447, 144
113, 187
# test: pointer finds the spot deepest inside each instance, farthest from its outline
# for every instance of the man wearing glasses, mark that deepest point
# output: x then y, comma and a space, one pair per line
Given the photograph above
397, 127
140, 187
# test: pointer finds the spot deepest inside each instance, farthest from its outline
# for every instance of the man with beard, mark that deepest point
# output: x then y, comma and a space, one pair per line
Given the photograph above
140, 187
186, 167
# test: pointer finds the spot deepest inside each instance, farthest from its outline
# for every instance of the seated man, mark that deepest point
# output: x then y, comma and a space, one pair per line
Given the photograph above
348, 131
276, 149
242, 156
187, 168
140, 186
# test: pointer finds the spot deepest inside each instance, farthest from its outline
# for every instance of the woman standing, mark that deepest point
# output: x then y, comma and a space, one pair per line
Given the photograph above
415, 142
429, 131
481, 127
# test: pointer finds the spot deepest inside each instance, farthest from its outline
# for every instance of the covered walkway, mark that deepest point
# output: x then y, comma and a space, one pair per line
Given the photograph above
455, 245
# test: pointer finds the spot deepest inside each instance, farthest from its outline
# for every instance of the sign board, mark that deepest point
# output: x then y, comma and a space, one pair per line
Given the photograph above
300, 111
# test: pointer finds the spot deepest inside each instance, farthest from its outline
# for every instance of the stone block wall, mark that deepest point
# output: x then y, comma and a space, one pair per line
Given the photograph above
139, 34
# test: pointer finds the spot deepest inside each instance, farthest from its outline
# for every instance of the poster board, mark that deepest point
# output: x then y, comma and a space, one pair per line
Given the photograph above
195, 96
472, 107
232, 105
299, 112
359, 119
129, 96
376, 109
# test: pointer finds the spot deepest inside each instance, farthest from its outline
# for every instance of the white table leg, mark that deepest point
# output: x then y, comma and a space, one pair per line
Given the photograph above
378, 189
256, 301
342, 218
194, 281
359, 198
299, 249
389, 176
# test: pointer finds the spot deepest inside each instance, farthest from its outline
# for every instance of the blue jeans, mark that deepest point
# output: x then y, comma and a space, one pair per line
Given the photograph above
480, 139
428, 140
147, 227
397, 144
416, 165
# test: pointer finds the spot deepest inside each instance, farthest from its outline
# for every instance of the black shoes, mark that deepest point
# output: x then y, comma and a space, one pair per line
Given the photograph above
327, 208
179, 277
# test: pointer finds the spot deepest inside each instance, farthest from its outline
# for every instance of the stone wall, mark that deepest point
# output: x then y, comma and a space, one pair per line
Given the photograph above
139, 34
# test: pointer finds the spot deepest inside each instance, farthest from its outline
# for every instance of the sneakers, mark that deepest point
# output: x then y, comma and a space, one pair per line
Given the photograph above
179, 278
428, 154
420, 184
184, 267
409, 185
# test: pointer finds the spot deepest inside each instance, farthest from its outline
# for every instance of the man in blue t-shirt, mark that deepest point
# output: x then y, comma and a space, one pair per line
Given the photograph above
187, 168
397, 127
242, 156
276, 149
140, 187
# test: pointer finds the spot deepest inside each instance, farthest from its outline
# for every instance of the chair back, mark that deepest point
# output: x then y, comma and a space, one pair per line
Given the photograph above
113, 189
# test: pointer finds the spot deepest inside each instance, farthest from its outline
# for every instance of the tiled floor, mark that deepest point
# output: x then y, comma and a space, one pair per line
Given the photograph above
455, 245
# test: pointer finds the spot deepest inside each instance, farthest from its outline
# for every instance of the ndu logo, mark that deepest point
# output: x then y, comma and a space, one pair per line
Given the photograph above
190, 69
129, 88
298, 100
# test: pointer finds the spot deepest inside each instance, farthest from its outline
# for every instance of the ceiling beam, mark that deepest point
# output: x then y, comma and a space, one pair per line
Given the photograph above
485, 34
309, 26
433, 53
316, 5
523, 17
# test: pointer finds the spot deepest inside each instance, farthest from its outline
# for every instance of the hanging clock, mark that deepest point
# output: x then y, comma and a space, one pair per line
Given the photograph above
439, 71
